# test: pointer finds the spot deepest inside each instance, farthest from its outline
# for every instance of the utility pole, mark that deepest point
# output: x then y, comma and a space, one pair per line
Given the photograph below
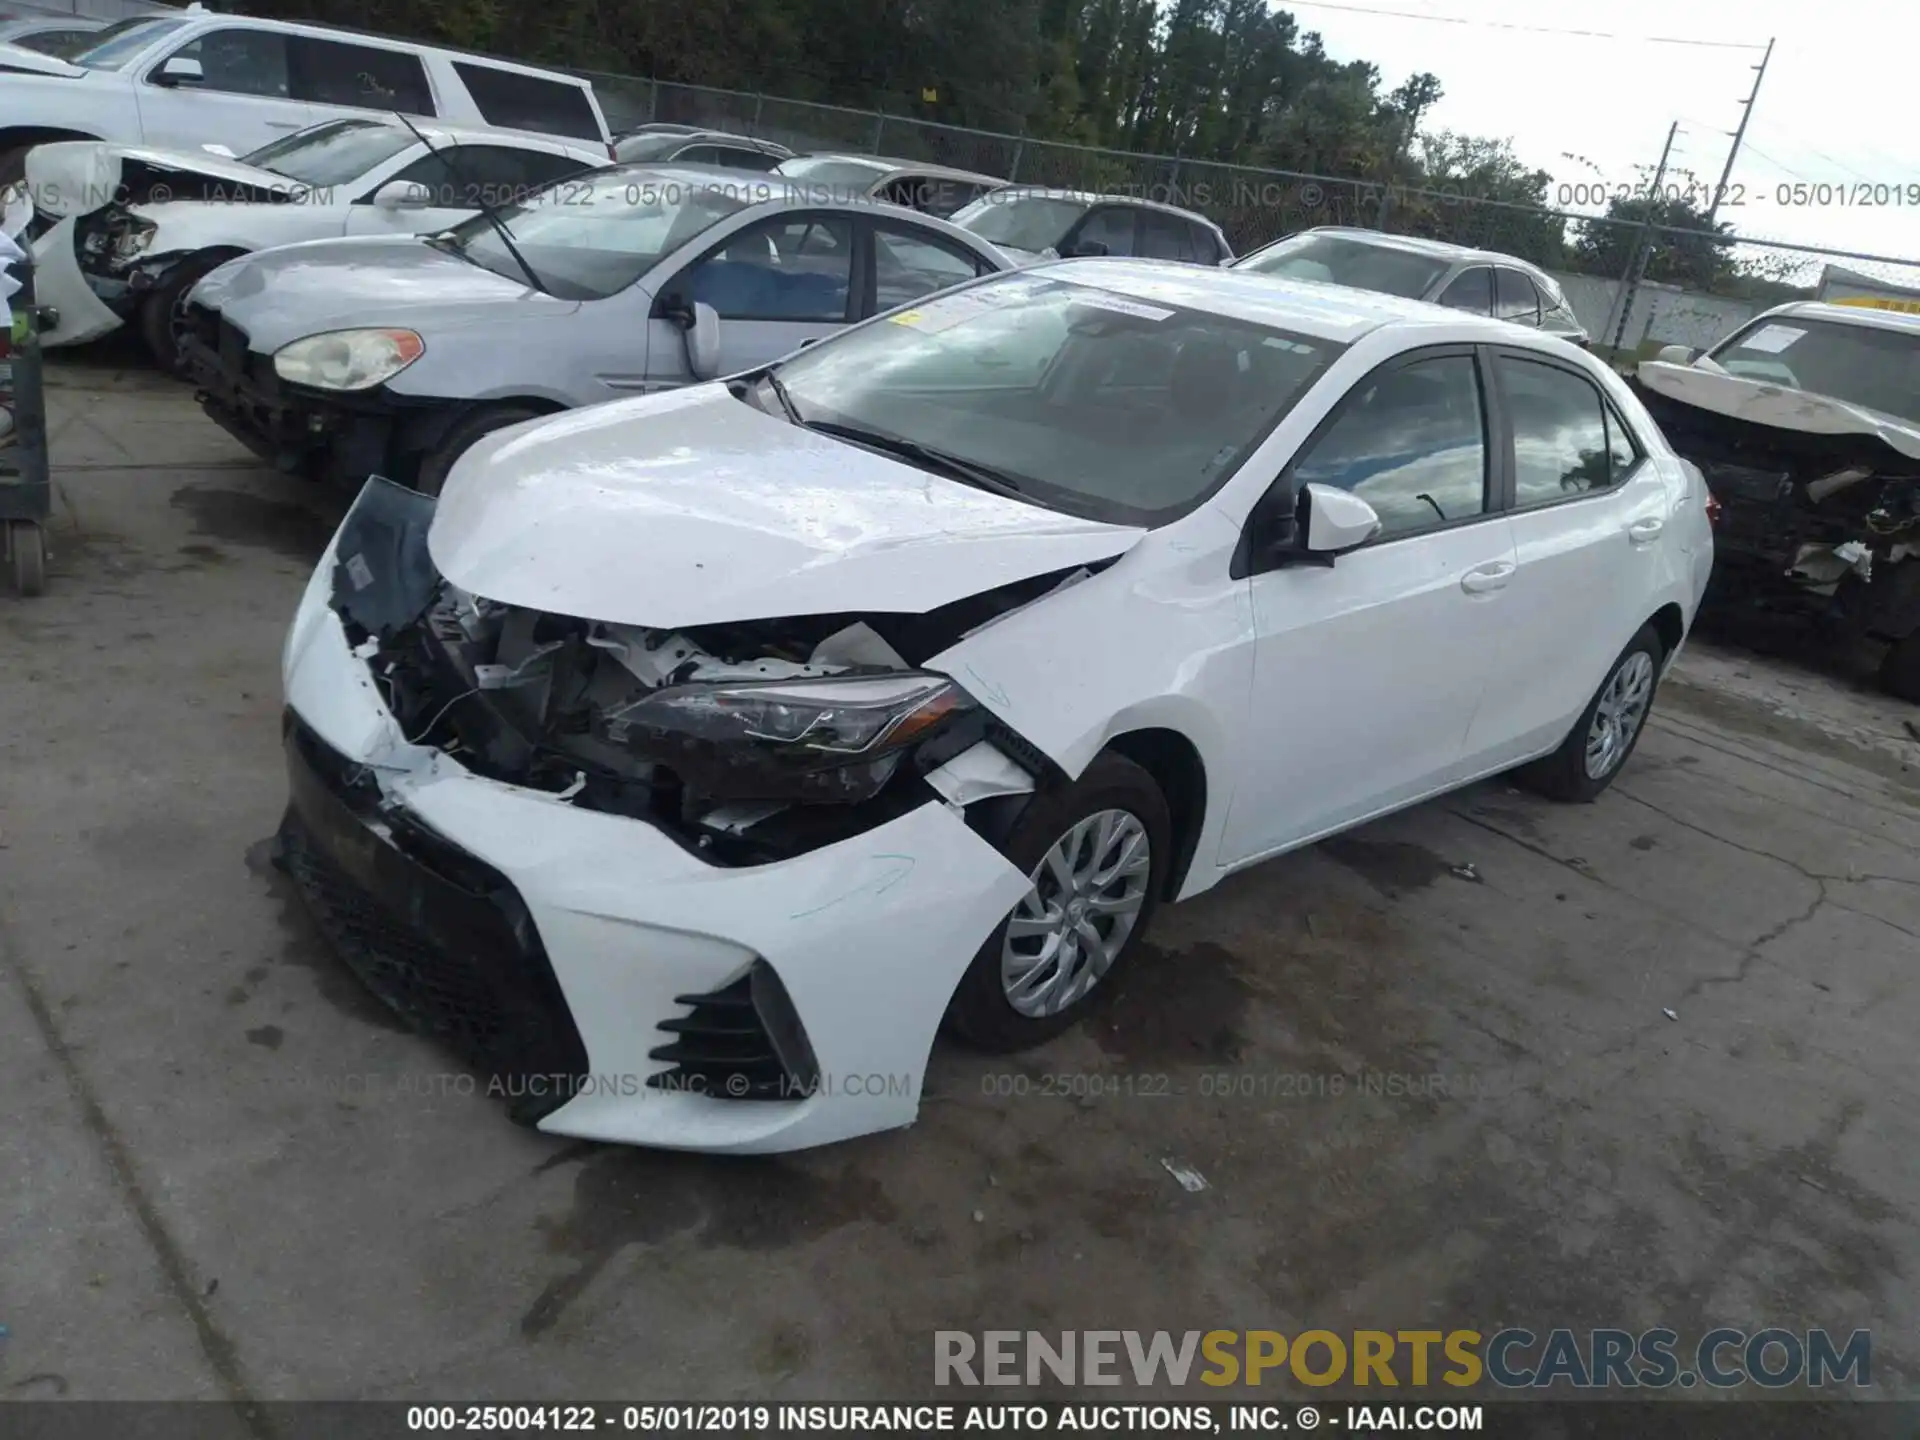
1643, 241
1746, 114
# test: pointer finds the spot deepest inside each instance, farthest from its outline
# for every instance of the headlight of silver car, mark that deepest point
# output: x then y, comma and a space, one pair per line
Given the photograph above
348, 359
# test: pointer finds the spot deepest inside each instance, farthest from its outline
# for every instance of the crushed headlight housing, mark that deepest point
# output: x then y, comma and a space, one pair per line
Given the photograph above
827, 741
348, 359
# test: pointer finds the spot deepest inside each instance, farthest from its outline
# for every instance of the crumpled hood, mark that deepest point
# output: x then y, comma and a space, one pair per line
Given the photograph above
694, 508
76, 177
18, 57
291, 291
1760, 402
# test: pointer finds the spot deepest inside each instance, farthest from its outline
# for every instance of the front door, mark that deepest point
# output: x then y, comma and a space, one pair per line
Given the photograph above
1368, 672
242, 98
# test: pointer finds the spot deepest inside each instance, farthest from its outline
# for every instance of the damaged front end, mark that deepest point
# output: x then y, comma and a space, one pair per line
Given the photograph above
747, 742
1822, 522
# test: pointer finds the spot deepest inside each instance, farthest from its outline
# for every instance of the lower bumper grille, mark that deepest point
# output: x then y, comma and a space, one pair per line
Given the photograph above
742, 1042
435, 933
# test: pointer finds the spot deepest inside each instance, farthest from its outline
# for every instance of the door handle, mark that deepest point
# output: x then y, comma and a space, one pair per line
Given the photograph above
1485, 579
1641, 532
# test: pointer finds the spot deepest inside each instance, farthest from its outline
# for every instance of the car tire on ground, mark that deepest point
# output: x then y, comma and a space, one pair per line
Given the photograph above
437, 464
1604, 736
1059, 954
1900, 669
157, 310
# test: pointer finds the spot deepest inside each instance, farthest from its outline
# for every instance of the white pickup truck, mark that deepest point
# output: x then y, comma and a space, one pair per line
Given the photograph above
191, 78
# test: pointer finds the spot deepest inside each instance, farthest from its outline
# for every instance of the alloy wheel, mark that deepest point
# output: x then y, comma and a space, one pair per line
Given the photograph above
1086, 897
1619, 715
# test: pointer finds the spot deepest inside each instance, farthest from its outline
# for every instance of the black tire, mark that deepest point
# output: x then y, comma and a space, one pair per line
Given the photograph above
981, 1012
1563, 775
157, 310
27, 557
1900, 669
438, 463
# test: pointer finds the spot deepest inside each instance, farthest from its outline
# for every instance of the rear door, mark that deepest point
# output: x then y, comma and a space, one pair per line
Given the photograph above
243, 98
1587, 509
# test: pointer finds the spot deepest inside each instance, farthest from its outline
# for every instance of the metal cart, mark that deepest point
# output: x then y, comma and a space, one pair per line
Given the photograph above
26, 485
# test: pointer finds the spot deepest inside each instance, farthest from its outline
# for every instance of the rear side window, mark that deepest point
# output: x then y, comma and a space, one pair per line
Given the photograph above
331, 72
1514, 298
1167, 237
528, 102
1471, 290
1110, 227
1560, 443
1411, 442
910, 263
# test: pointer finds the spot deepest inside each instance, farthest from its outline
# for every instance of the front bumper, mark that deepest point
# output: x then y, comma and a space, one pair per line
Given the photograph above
293, 429
627, 922
61, 286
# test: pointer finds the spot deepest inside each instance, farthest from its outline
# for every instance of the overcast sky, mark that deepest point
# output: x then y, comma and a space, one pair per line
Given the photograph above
1835, 106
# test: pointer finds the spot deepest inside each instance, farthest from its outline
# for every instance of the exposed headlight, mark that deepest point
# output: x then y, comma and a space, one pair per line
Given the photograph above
348, 359
824, 741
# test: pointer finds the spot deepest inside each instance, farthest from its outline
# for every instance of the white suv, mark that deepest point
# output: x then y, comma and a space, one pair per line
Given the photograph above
195, 78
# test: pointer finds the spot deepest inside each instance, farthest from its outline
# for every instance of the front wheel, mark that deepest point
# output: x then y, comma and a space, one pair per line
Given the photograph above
466, 432
1096, 855
159, 311
1608, 729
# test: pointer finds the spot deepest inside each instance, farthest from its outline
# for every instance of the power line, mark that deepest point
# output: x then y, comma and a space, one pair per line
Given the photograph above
1529, 29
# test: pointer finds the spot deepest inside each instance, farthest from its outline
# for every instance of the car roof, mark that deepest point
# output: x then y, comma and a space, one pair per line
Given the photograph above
438, 132
1868, 316
1414, 244
695, 137
1092, 197
1306, 307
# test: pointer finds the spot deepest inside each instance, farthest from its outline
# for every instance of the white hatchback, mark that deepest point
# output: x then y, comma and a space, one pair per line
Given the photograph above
693, 757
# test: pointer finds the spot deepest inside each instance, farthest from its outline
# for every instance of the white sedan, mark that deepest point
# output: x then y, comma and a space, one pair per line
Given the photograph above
124, 231
693, 757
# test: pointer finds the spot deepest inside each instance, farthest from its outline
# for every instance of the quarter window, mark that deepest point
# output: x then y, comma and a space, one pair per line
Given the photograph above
1411, 442
1471, 290
1560, 441
787, 269
330, 72
1623, 452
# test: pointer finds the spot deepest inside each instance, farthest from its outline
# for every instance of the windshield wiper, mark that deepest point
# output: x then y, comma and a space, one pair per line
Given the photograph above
499, 225
982, 477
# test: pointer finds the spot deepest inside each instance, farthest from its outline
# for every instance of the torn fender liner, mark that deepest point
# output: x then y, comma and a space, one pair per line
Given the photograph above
383, 577
1774, 406
695, 508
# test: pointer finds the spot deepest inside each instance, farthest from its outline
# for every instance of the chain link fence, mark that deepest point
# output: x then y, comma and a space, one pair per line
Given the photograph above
1634, 286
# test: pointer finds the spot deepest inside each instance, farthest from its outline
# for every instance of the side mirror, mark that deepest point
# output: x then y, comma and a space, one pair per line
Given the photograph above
179, 70
1332, 522
403, 195
1675, 355
702, 326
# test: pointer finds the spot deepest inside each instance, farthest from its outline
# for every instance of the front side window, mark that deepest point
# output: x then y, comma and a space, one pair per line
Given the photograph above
589, 238
910, 263
1021, 222
1471, 290
1878, 369
1090, 401
332, 154
1107, 231
794, 268
1357, 263
1560, 442
1514, 298
331, 72
114, 46
466, 177
239, 62
1410, 441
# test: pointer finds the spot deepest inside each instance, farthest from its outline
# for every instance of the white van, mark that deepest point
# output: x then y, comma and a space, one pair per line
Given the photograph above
190, 78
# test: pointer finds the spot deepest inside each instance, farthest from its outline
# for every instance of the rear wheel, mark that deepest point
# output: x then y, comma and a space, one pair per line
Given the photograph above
1608, 729
466, 432
1096, 855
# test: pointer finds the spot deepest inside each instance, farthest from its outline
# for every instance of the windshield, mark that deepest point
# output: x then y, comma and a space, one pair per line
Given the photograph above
117, 44
1344, 260
588, 238
1860, 364
830, 171
333, 153
1021, 222
1090, 401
